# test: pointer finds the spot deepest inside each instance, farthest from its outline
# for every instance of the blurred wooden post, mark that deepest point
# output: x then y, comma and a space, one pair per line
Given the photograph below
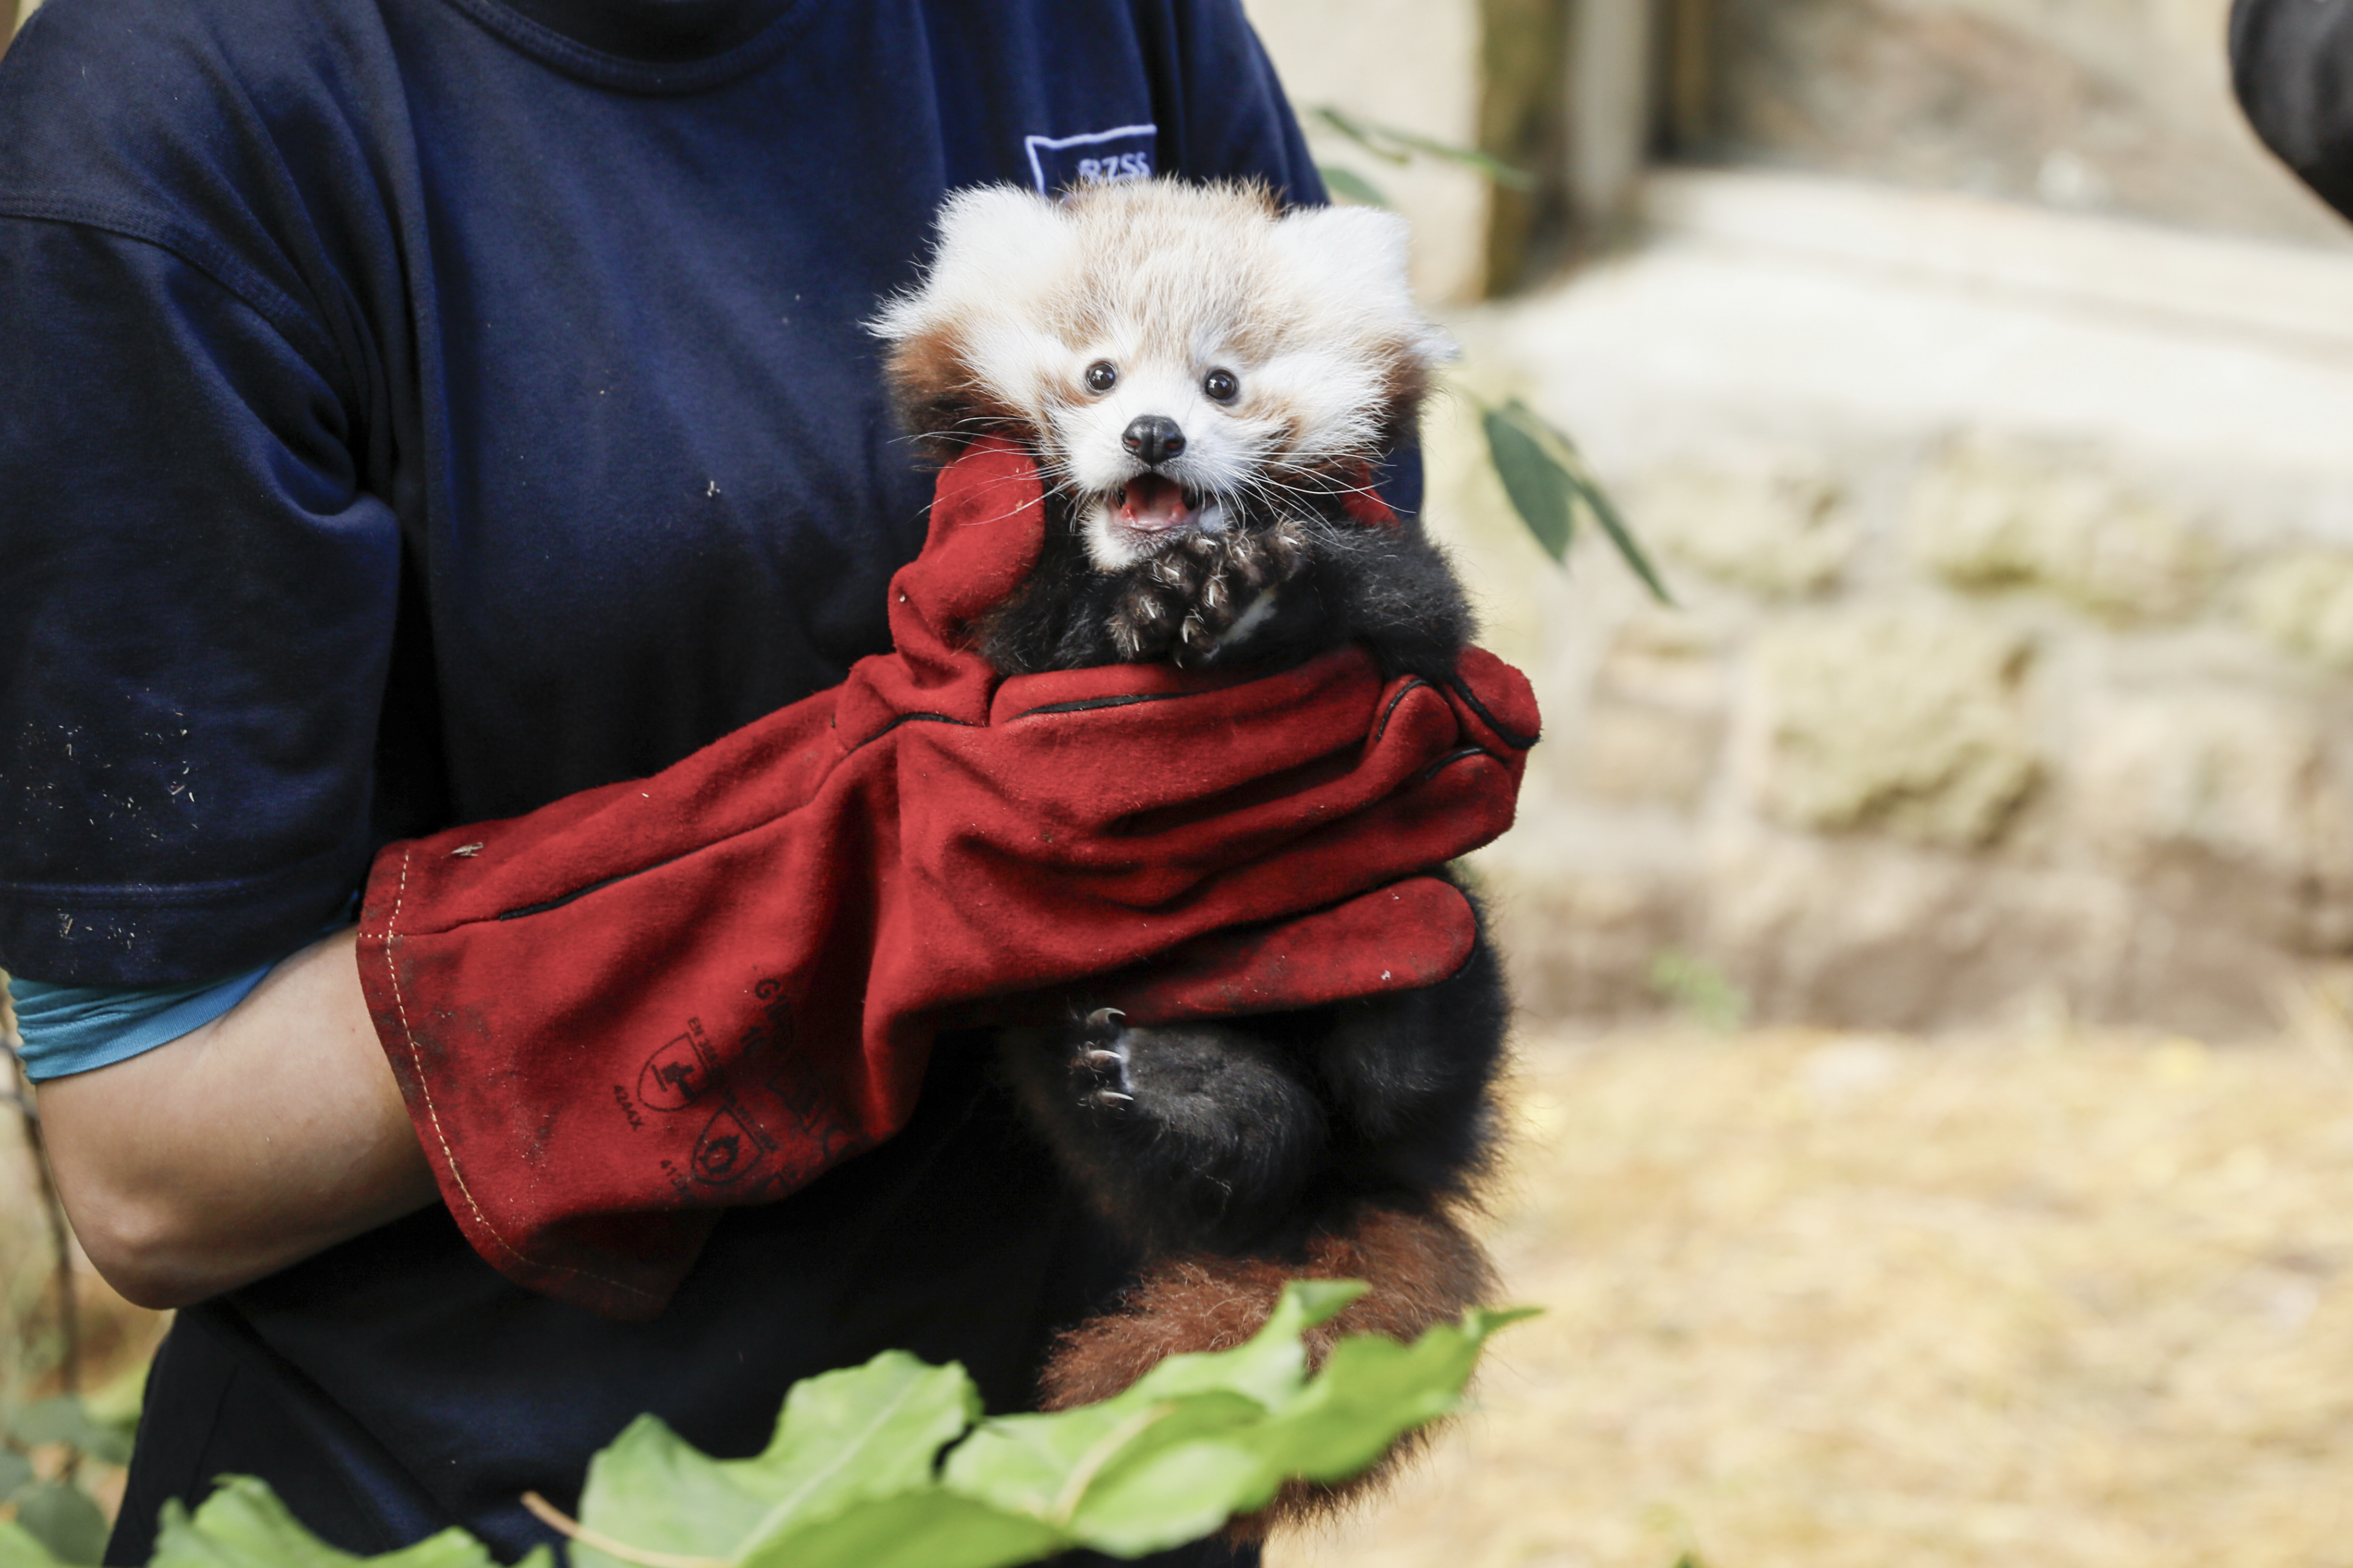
1571, 94
1523, 48
1608, 120
13, 14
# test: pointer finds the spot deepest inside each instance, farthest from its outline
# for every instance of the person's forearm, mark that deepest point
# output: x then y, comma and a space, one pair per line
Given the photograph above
266, 1135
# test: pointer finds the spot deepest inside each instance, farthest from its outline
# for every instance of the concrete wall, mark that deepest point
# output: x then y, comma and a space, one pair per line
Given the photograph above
2015, 661
2096, 105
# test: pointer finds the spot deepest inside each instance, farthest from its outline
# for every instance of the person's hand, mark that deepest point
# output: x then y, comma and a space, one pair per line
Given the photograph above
629, 1009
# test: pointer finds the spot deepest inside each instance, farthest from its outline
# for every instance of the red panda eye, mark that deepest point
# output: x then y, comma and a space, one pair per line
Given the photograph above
1100, 378
1221, 385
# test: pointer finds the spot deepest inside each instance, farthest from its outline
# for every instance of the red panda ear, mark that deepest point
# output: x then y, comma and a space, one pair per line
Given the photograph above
1360, 252
1357, 259
999, 249
993, 236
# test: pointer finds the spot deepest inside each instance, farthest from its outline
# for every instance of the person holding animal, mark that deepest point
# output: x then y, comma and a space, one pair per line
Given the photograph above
448, 486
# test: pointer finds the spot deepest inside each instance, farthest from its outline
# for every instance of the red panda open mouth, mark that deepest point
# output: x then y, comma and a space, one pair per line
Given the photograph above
1150, 503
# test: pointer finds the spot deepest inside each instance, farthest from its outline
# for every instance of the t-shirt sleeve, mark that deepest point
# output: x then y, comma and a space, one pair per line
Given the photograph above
1233, 121
201, 608
2291, 64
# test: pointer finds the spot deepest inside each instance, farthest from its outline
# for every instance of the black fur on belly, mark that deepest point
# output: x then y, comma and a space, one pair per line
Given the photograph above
1272, 1134
1268, 591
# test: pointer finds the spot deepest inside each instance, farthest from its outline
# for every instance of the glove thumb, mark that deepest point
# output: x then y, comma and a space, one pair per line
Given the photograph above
988, 524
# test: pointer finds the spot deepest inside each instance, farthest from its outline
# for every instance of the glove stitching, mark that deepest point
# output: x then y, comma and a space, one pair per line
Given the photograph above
425, 1092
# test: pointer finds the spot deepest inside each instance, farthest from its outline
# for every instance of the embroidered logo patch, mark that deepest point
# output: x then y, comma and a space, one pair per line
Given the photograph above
1059, 162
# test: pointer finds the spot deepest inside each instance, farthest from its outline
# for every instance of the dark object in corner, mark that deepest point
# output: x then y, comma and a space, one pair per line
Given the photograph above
2292, 66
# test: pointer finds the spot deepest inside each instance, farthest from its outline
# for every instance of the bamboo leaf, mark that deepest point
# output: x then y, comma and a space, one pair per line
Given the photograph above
1536, 482
1471, 158
1359, 132
1347, 183
1557, 453
1612, 524
1396, 144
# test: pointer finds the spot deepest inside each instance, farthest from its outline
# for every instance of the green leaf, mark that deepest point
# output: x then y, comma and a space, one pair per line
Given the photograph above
853, 1480
918, 1529
1536, 483
14, 1472
843, 1436
1372, 1390
1399, 145
1166, 1498
65, 1419
1202, 1437
19, 1548
1271, 1366
1146, 1467
1620, 534
1538, 461
1062, 1466
243, 1525
115, 1403
1362, 132
63, 1518
1346, 182
659, 1493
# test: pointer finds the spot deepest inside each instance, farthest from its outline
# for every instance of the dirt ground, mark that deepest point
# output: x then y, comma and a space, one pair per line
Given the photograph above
1819, 1300
1826, 1300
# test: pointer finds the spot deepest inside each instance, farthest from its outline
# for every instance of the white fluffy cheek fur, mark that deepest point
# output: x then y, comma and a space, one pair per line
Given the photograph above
1331, 398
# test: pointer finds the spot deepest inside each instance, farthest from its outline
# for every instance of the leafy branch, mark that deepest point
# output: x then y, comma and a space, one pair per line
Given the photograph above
855, 1476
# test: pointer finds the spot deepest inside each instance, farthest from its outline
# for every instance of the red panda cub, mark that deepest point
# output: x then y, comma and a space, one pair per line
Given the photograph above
1205, 382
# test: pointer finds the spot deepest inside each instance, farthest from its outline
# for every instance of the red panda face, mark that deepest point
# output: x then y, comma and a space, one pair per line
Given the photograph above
1164, 348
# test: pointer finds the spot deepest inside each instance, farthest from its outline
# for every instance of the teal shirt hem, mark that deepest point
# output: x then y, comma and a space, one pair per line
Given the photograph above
67, 1029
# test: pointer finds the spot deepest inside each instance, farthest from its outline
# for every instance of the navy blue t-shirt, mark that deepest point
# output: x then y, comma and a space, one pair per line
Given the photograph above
415, 410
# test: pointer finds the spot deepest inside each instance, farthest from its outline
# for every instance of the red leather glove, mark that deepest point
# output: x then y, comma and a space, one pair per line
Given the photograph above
643, 1003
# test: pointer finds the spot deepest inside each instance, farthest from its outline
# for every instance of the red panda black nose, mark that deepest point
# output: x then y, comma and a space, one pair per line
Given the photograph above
1153, 437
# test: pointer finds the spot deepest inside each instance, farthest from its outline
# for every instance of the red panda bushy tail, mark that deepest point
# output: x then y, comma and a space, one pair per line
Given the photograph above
1424, 1269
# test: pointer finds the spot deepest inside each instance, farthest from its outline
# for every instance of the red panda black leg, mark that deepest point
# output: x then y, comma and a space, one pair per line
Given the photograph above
1187, 1135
